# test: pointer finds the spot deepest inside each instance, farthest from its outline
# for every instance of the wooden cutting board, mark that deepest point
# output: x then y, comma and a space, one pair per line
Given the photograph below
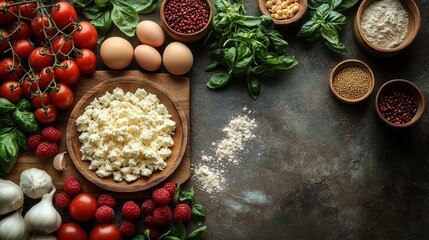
178, 86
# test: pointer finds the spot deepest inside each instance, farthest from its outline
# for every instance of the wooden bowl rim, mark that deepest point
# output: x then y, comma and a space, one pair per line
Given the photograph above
420, 108
141, 183
407, 41
164, 21
298, 16
347, 63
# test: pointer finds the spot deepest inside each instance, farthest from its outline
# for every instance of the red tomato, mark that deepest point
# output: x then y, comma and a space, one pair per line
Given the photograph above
41, 25
23, 30
10, 70
105, 231
63, 14
45, 77
46, 114
86, 61
71, 231
28, 11
39, 99
83, 207
29, 85
85, 35
67, 72
4, 44
61, 96
62, 46
41, 57
23, 49
11, 91
6, 13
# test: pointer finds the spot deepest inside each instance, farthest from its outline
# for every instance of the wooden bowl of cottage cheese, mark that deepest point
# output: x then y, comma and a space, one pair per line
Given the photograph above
384, 28
127, 134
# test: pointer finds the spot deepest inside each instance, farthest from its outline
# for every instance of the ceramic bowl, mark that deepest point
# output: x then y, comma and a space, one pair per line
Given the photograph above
413, 29
351, 63
185, 37
403, 86
285, 22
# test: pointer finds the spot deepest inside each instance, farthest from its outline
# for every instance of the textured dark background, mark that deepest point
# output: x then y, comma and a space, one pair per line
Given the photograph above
318, 169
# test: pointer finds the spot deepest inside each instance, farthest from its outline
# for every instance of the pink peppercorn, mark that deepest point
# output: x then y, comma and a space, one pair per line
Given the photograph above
187, 16
397, 107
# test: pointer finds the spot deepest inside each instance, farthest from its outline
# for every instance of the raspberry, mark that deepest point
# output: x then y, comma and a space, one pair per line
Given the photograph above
62, 200
148, 206
130, 210
149, 222
51, 134
105, 214
33, 141
171, 188
161, 196
46, 150
162, 215
127, 229
106, 200
154, 232
72, 185
182, 212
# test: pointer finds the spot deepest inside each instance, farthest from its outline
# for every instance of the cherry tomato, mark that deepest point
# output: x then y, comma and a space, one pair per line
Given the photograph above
105, 231
46, 114
86, 61
62, 46
23, 30
85, 35
61, 96
10, 70
45, 77
71, 231
6, 13
67, 72
83, 207
29, 85
23, 49
11, 91
63, 14
4, 44
39, 99
41, 25
28, 11
41, 57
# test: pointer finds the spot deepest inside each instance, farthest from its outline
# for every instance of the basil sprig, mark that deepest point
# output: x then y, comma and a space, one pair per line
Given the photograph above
326, 22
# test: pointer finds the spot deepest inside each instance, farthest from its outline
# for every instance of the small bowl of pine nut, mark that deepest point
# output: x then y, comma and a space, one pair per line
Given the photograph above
285, 13
351, 81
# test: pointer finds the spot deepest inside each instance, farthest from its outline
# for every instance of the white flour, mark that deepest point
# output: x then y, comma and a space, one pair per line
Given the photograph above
209, 173
384, 23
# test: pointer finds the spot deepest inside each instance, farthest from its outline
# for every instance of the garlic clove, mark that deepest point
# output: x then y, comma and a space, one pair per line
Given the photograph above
60, 163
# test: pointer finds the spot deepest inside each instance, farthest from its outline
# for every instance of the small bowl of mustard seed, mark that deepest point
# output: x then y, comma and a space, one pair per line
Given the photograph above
351, 81
399, 103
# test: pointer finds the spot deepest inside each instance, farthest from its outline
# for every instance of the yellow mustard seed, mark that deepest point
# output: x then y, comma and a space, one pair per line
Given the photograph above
352, 82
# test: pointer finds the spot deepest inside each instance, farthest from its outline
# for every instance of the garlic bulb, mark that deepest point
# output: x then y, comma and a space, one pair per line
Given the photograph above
35, 182
13, 227
42, 237
11, 197
43, 218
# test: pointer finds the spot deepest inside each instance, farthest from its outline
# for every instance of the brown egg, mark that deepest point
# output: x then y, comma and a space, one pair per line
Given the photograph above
150, 33
177, 58
116, 52
147, 57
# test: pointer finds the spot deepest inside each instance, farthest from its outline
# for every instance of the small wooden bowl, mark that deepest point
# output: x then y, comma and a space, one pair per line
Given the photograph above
285, 23
406, 87
185, 37
414, 20
351, 63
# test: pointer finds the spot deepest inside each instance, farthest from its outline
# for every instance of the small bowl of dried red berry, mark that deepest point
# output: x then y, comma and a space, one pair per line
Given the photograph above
399, 103
186, 20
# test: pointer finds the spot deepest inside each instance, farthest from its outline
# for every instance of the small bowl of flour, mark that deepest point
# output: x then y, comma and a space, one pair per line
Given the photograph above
384, 28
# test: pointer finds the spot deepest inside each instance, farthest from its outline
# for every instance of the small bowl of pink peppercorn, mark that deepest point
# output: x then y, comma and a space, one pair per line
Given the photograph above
186, 20
399, 103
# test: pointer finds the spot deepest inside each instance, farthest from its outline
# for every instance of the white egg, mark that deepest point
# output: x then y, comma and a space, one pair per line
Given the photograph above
147, 57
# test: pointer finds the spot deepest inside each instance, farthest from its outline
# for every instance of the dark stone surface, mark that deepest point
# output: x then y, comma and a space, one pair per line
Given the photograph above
318, 169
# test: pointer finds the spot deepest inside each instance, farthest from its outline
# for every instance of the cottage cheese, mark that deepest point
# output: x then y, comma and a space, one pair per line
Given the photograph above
126, 135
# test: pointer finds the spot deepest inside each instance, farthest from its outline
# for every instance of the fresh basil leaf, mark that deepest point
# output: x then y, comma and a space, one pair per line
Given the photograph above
26, 121
143, 6
179, 231
101, 3
198, 213
346, 4
321, 13
336, 19
339, 47
102, 23
196, 233
222, 5
334, 3
267, 22
278, 42
6, 121
219, 80
310, 31
242, 64
330, 34
313, 4
6, 106
212, 66
254, 86
230, 54
125, 18
24, 105
139, 237
21, 139
249, 21
80, 4
9, 149
176, 195
91, 10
